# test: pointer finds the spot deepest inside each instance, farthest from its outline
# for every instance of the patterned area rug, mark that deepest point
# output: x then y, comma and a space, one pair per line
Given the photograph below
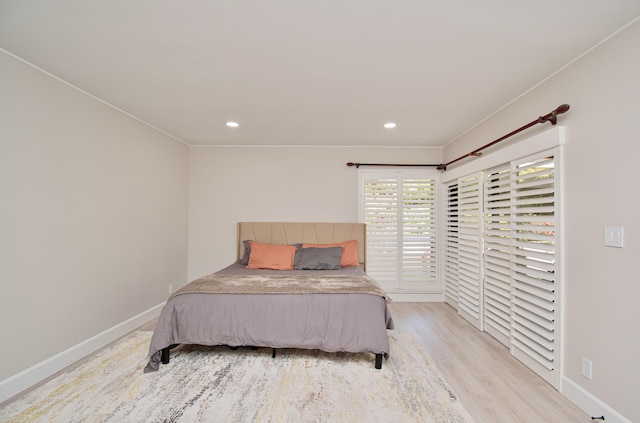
217, 384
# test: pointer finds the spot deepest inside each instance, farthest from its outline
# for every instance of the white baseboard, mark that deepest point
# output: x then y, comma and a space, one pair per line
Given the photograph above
425, 297
589, 403
27, 378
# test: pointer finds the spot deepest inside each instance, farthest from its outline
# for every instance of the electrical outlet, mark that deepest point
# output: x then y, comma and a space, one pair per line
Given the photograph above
170, 288
586, 368
614, 236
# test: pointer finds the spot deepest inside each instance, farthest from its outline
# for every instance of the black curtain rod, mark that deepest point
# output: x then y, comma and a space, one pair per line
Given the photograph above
549, 117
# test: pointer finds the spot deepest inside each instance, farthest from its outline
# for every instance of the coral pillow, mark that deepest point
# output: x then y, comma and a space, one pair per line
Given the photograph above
349, 255
271, 256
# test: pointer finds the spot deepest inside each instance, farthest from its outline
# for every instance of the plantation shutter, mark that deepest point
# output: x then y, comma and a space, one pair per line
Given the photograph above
380, 212
470, 249
534, 266
419, 230
451, 247
497, 253
516, 262
399, 209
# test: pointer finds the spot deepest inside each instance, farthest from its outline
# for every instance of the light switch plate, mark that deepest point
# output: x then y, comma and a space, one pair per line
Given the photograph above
614, 236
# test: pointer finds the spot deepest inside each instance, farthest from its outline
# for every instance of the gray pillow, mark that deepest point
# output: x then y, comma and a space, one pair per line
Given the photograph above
247, 252
318, 258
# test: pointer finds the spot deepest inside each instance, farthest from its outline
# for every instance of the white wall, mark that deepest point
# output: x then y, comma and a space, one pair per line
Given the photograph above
602, 284
228, 185
93, 216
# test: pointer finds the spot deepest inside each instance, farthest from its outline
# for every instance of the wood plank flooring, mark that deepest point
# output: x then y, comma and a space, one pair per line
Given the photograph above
494, 386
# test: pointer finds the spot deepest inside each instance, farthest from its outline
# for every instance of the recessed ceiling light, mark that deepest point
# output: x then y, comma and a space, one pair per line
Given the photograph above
389, 125
232, 124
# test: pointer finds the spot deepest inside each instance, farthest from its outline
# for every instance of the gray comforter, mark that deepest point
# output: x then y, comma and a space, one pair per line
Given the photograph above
291, 309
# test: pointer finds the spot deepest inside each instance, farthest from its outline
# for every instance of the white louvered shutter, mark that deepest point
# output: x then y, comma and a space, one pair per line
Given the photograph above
470, 249
506, 246
534, 266
497, 253
418, 255
451, 246
399, 209
380, 212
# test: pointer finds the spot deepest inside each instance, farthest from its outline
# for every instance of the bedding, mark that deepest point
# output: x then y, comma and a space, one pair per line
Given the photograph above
330, 310
349, 256
230, 282
271, 256
318, 258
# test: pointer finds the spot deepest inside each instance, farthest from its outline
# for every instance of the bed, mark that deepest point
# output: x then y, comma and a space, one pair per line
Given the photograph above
316, 305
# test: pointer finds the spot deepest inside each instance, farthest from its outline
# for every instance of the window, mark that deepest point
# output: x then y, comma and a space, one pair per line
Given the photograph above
535, 271
451, 257
502, 269
497, 253
470, 249
399, 208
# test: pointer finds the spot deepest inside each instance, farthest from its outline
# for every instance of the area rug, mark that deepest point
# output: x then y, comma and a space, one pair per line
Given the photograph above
218, 384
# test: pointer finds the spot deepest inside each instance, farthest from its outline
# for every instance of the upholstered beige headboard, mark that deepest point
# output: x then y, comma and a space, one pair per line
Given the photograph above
309, 233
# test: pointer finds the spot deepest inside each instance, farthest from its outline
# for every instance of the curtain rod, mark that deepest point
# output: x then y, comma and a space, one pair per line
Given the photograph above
549, 117
388, 164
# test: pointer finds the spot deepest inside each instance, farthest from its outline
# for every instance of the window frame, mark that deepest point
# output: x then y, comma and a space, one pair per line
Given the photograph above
432, 289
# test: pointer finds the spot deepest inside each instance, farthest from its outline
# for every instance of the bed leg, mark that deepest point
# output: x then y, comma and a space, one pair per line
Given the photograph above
378, 361
164, 357
273, 353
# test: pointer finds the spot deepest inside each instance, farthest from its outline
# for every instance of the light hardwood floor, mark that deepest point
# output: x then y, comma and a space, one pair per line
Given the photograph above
494, 386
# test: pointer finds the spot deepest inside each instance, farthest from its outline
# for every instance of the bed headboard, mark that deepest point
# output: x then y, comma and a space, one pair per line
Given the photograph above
295, 232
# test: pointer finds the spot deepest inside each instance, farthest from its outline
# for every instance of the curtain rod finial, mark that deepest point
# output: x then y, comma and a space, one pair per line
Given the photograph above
553, 116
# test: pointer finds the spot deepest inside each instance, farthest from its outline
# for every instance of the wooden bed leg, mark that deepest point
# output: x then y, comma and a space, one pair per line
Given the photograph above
378, 361
165, 356
273, 353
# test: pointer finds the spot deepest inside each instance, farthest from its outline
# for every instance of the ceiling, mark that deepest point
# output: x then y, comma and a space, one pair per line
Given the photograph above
302, 72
